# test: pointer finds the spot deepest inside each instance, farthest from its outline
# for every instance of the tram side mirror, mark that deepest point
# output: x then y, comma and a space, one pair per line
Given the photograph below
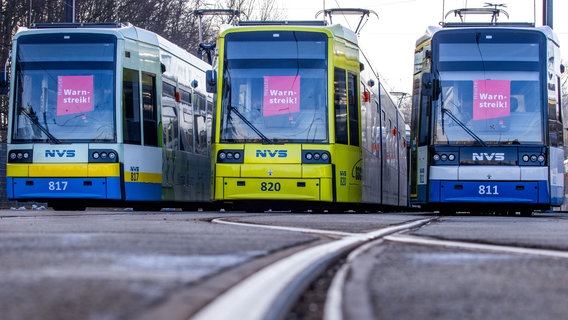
430, 86
211, 81
436, 90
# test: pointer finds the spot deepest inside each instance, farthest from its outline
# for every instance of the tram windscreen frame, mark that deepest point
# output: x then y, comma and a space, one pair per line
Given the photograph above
491, 87
64, 88
275, 87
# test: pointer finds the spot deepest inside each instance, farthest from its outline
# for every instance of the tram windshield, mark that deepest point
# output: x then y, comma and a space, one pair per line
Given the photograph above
64, 88
275, 87
491, 89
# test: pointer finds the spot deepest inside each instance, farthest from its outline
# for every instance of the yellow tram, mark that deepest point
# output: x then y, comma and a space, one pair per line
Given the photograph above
295, 121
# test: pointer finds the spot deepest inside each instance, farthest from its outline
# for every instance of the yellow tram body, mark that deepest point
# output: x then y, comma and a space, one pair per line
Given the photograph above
276, 171
301, 116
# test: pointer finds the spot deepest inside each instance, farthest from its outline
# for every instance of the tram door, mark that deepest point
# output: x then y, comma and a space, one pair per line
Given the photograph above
348, 164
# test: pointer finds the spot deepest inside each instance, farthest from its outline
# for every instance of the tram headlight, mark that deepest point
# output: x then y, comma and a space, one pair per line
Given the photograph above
541, 158
534, 158
526, 158
20, 156
230, 156
445, 157
103, 155
316, 156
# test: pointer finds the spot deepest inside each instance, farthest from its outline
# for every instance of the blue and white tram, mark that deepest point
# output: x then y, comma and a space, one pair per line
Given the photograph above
106, 114
487, 122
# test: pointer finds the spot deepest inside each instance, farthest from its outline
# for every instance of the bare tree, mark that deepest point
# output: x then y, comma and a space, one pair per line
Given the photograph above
262, 10
269, 11
171, 19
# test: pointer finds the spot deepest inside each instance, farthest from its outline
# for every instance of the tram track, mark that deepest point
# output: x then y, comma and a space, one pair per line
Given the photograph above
334, 297
272, 291
475, 246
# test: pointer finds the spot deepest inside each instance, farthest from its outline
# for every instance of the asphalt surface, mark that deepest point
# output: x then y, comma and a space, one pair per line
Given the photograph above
113, 264
405, 281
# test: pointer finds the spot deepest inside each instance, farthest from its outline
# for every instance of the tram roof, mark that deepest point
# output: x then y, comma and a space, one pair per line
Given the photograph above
121, 30
337, 30
431, 30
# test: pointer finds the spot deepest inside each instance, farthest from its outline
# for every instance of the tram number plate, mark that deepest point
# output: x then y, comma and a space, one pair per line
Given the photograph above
270, 186
488, 190
57, 185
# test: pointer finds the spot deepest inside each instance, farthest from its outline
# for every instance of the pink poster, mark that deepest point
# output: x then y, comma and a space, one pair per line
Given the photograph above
491, 99
74, 94
281, 95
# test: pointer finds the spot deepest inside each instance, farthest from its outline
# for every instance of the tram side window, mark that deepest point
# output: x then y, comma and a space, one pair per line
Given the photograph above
383, 127
168, 90
376, 139
340, 106
200, 124
208, 123
169, 117
554, 114
186, 125
353, 110
131, 106
150, 112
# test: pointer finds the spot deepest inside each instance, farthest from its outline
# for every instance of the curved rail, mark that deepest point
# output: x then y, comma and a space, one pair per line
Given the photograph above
270, 290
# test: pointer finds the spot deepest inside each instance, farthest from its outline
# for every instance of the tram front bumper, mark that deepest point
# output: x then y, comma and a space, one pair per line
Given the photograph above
63, 188
63, 181
519, 192
274, 189
283, 182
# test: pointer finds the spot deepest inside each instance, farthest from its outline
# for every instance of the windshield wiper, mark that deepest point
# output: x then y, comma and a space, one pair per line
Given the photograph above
33, 118
264, 138
463, 126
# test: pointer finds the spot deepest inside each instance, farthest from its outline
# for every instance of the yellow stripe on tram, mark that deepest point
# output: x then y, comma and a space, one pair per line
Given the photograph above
143, 177
63, 170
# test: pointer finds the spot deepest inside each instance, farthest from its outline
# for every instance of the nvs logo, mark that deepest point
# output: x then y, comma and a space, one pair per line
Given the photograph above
59, 153
271, 153
497, 156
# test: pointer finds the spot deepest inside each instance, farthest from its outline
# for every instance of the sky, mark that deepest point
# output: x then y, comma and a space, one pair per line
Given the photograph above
389, 41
